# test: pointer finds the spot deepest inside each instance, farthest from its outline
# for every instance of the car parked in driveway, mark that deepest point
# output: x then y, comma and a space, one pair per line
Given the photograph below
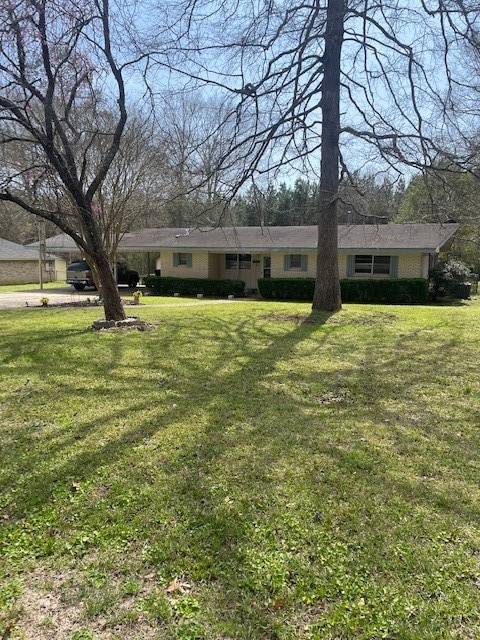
80, 275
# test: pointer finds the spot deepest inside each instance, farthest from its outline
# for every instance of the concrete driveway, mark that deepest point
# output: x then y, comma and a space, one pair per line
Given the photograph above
31, 298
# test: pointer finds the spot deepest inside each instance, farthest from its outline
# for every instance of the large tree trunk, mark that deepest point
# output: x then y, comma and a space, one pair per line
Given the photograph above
112, 302
99, 262
327, 295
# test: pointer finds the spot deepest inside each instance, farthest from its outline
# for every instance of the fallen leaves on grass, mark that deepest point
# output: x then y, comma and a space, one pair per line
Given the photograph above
177, 586
333, 398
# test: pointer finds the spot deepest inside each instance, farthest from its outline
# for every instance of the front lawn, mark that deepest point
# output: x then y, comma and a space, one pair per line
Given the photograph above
248, 471
7, 288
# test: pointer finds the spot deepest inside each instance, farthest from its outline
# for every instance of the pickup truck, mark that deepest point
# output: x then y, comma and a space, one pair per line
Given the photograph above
80, 276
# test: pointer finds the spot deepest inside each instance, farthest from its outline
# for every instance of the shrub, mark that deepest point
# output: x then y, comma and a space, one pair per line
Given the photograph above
446, 276
286, 288
167, 286
391, 291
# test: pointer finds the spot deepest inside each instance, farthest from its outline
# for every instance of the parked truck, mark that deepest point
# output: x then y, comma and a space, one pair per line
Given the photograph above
80, 275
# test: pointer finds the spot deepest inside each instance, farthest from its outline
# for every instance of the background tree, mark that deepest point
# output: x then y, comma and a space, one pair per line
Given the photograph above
442, 194
133, 184
59, 75
193, 144
364, 199
19, 226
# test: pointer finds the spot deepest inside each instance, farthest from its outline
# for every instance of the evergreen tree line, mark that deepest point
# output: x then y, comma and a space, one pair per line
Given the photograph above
363, 200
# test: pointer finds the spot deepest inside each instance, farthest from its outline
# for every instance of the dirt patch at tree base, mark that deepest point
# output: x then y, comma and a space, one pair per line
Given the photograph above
128, 324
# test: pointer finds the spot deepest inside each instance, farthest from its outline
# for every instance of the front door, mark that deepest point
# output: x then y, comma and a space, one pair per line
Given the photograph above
267, 266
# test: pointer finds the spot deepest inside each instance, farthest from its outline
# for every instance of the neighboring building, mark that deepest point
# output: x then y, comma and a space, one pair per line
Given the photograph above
20, 265
249, 253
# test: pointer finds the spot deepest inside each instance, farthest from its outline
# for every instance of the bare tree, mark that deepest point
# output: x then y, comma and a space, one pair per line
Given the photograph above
59, 76
440, 195
328, 86
132, 182
194, 139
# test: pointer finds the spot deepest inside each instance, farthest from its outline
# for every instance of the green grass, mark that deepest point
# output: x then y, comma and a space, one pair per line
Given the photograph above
5, 288
239, 474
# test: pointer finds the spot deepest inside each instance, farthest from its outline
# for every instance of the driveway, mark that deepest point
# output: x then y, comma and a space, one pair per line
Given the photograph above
31, 298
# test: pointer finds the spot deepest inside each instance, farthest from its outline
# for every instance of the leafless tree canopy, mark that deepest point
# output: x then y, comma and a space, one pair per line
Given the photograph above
327, 86
399, 75
62, 116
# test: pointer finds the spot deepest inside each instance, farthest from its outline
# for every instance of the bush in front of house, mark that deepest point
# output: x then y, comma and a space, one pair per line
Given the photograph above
446, 277
391, 291
167, 286
286, 288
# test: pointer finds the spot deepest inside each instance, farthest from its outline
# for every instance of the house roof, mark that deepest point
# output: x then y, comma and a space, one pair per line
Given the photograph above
401, 237
13, 251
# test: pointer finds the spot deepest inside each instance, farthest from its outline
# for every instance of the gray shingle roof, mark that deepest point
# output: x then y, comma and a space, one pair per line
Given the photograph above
414, 237
13, 251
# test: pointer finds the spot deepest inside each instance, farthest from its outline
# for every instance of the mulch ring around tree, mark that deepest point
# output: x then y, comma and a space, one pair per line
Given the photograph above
129, 324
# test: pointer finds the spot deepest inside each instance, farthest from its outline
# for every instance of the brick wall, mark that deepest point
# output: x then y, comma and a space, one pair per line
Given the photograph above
410, 265
205, 265
278, 270
26, 272
199, 268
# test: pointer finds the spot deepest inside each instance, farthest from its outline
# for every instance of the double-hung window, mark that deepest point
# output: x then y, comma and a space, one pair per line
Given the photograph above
368, 264
238, 261
295, 262
182, 259
372, 264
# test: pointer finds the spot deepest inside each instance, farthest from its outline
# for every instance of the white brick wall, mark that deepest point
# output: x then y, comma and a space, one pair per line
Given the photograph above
205, 265
342, 265
199, 268
279, 272
410, 265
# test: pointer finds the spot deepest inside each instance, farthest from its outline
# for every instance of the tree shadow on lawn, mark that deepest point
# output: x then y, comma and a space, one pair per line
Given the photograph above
49, 472
347, 463
116, 398
218, 492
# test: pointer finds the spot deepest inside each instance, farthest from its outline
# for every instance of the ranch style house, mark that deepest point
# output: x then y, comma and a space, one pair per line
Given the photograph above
250, 253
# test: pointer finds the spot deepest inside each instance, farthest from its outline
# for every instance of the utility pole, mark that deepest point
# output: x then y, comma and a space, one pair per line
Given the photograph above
42, 251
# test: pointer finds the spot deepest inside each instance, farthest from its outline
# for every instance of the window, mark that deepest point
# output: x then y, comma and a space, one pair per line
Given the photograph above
295, 262
372, 264
367, 264
231, 261
267, 266
238, 261
182, 259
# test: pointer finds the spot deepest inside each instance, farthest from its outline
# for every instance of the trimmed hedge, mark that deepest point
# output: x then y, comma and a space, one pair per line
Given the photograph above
167, 286
286, 288
391, 291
